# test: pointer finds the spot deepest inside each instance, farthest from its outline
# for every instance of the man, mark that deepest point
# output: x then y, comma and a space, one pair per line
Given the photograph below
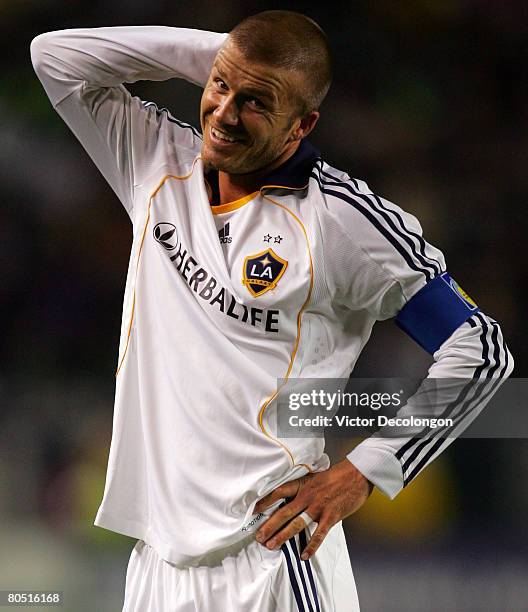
252, 260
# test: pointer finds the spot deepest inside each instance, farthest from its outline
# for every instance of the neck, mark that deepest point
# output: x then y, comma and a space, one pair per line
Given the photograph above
235, 186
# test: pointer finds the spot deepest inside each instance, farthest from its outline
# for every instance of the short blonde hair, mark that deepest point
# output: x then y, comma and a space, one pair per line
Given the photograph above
286, 39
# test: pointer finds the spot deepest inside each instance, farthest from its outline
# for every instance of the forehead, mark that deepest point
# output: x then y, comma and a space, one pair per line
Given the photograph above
243, 74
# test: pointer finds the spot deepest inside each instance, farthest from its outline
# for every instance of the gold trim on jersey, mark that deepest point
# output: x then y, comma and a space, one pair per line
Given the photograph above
152, 195
299, 315
229, 206
224, 208
284, 187
296, 344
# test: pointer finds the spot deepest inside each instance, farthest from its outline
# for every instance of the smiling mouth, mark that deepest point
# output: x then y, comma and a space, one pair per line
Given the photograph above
218, 135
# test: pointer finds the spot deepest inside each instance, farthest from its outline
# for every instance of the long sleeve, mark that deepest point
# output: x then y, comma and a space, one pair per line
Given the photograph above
378, 261
83, 71
476, 351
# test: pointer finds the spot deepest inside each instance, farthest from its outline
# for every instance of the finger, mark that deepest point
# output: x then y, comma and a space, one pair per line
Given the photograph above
288, 489
295, 526
308, 520
278, 519
316, 540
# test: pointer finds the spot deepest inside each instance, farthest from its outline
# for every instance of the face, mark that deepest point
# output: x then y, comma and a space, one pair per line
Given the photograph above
249, 114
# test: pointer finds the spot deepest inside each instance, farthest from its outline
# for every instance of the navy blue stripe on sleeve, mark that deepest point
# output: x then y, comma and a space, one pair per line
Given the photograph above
419, 450
484, 391
403, 249
423, 437
390, 217
172, 119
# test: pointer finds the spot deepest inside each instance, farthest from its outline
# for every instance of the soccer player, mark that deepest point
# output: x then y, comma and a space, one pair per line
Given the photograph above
252, 260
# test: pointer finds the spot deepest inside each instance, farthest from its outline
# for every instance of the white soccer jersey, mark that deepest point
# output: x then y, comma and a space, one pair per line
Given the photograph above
221, 301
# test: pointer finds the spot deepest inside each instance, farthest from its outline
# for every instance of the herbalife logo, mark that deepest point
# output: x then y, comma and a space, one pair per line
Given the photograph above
166, 235
223, 234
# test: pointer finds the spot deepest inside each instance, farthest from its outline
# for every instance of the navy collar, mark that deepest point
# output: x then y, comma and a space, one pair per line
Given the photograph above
294, 173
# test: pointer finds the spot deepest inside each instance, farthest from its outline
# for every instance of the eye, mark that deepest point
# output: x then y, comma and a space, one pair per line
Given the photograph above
256, 103
221, 84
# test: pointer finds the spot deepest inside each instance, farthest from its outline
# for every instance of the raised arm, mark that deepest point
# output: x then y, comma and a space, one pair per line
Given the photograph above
83, 71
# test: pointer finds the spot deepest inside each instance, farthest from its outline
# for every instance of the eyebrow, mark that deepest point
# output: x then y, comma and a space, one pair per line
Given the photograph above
252, 91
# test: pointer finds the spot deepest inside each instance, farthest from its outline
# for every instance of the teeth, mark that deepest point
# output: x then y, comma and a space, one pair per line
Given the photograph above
222, 136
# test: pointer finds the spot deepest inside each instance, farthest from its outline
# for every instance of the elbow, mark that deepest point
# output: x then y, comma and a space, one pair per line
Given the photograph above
504, 361
477, 349
510, 363
38, 49
501, 362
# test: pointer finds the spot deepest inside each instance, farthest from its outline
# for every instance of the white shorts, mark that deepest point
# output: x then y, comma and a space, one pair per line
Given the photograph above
246, 578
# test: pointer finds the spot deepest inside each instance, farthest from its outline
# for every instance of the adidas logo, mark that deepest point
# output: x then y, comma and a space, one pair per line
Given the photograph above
223, 234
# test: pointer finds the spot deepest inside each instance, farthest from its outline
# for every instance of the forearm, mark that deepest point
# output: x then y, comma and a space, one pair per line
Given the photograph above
83, 71
474, 354
67, 60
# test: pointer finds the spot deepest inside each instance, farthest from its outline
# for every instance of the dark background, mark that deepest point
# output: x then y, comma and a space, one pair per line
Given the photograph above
429, 106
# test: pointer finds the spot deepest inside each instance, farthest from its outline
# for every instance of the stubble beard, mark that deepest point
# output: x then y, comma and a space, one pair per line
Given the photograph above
236, 167
240, 167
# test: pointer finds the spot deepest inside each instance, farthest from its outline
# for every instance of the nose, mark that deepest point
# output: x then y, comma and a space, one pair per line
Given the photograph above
227, 111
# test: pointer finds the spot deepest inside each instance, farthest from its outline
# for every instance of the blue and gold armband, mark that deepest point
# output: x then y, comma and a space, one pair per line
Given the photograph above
435, 312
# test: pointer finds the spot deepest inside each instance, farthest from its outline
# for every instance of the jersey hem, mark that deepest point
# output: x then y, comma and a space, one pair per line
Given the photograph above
140, 531
132, 529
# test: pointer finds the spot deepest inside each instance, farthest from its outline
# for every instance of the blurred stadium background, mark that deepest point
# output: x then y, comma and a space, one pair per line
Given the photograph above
430, 106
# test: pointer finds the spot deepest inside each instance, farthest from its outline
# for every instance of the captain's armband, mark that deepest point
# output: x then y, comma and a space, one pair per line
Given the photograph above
435, 312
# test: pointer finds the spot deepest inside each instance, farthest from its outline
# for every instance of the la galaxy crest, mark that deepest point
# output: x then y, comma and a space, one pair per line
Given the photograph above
262, 272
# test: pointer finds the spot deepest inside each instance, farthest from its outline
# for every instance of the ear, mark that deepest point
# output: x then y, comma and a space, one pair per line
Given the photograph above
306, 125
